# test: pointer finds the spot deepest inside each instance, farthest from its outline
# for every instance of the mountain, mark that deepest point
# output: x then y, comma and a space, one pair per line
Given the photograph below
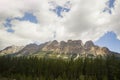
31, 49
11, 50
62, 49
76, 48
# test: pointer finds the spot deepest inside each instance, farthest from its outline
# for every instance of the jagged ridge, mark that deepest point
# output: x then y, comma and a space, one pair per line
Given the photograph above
71, 47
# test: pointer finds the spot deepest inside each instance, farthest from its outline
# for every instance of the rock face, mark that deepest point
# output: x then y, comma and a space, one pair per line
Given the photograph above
29, 49
88, 45
11, 50
51, 46
75, 47
71, 47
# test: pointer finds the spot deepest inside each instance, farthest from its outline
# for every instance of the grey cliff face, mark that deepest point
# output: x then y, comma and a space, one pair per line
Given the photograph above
88, 45
75, 47
70, 47
11, 50
29, 49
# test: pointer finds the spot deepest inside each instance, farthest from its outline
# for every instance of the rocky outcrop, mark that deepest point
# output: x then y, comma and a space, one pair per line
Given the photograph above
70, 47
75, 47
11, 50
29, 49
51, 46
88, 45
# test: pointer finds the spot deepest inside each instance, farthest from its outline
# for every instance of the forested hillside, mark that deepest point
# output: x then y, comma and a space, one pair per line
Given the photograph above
34, 68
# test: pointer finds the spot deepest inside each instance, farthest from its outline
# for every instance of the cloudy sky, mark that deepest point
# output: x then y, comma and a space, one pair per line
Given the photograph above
36, 21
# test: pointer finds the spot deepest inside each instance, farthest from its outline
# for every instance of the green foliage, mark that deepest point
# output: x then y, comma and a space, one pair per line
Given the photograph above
35, 68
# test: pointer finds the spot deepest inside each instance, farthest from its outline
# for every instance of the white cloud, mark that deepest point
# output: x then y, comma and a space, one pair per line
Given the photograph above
114, 22
84, 21
8, 39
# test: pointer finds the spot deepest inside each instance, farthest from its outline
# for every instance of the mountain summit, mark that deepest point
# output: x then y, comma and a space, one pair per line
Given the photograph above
76, 47
54, 48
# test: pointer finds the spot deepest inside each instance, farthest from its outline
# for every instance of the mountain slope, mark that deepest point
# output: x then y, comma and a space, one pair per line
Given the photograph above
62, 49
75, 47
11, 50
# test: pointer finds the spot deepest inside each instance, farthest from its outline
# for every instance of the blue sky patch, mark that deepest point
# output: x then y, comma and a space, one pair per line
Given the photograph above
110, 4
109, 40
60, 9
8, 25
28, 17
10, 30
8, 22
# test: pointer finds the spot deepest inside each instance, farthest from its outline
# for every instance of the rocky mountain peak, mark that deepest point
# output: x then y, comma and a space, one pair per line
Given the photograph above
69, 41
75, 42
54, 42
106, 50
29, 49
11, 49
89, 45
70, 47
75, 47
63, 44
32, 45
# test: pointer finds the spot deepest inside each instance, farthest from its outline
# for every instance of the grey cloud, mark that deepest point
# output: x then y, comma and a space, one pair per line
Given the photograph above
84, 21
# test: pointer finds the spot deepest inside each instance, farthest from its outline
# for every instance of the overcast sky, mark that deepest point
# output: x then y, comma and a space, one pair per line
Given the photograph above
28, 21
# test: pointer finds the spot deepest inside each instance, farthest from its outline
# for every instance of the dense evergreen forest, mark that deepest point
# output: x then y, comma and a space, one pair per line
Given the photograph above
34, 68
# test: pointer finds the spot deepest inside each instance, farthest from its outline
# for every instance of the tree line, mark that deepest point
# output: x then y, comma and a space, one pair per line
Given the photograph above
34, 68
